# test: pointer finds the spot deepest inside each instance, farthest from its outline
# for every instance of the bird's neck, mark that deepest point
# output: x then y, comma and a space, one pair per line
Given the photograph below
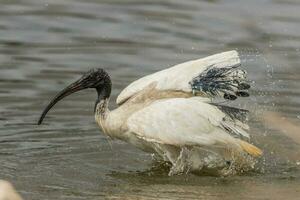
101, 109
103, 94
101, 105
101, 113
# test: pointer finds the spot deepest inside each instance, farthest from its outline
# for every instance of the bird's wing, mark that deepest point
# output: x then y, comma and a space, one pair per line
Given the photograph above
214, 75
187, 121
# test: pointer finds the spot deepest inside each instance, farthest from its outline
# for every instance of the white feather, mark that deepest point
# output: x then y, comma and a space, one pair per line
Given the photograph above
180, 122
179, 76
161, 120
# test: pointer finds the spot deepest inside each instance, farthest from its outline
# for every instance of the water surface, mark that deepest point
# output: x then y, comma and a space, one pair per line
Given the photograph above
45, 45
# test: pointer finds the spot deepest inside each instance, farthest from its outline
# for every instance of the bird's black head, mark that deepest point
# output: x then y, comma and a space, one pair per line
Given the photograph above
95, 78
92, 79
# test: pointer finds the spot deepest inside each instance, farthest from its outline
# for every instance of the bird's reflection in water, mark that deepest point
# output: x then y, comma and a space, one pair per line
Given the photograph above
158, 171
155, 183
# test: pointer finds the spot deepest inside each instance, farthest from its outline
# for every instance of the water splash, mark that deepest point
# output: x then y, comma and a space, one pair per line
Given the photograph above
216, 162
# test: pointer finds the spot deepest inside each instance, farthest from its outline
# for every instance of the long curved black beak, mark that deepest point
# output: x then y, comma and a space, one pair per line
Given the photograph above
95, 78
74, 87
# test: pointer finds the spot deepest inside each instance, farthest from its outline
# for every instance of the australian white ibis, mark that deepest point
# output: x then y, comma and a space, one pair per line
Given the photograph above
170, 112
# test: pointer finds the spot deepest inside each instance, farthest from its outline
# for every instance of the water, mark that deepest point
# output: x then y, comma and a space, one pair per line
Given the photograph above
45, 45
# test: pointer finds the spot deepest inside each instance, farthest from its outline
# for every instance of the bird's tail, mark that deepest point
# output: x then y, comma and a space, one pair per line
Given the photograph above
250, 148
229, 82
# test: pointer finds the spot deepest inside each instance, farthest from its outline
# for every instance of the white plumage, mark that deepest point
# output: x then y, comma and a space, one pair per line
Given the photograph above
161, 113
170, 113
179, 76
180, 122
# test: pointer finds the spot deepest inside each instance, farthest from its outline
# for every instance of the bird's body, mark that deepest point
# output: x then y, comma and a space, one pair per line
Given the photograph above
170, 112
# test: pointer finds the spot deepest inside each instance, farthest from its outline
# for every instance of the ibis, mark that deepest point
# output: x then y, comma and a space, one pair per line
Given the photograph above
171, 113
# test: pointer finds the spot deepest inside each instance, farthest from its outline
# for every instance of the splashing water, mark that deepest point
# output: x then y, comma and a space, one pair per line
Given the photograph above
221, 162
209, 161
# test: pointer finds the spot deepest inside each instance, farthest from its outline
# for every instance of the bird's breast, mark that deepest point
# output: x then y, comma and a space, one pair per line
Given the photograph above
115, 127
